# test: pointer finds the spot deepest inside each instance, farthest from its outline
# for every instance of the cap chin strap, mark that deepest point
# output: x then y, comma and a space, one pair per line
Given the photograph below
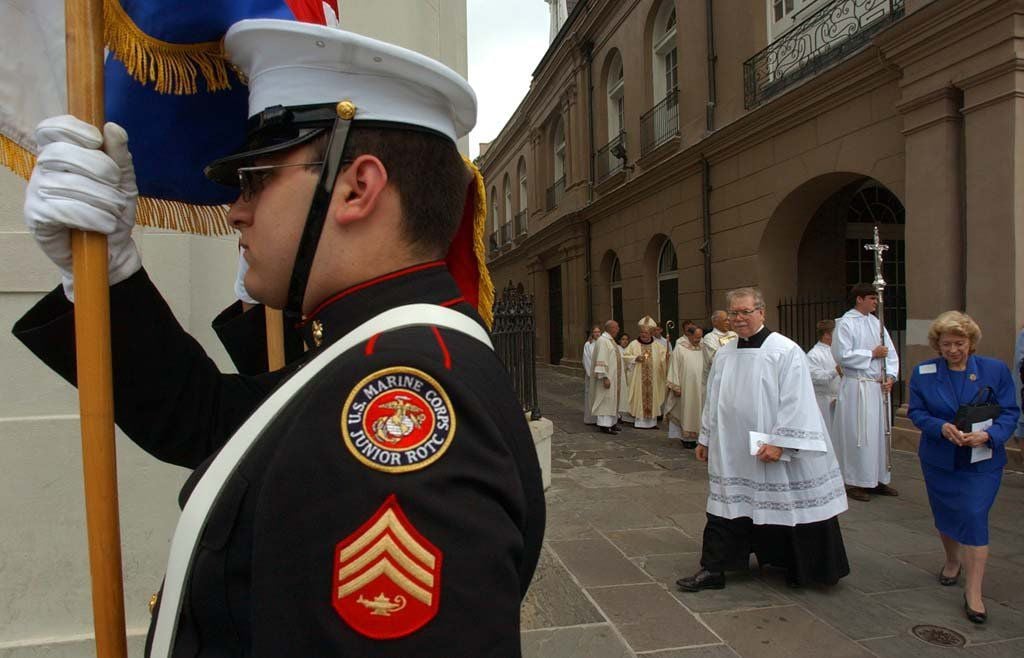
315, 218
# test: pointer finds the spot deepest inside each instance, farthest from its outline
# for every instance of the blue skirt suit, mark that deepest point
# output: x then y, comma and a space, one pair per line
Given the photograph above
961, 493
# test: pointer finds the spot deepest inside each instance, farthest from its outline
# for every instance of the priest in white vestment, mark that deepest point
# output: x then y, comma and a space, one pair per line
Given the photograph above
858, 425
646, 363
607, 380
588, 373
715, 339
774, 485
824, 373
686, 387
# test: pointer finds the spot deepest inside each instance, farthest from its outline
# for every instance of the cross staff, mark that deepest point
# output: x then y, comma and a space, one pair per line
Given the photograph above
879, 284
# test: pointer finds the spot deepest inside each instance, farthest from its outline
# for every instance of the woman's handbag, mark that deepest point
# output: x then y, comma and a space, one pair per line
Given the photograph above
977, 411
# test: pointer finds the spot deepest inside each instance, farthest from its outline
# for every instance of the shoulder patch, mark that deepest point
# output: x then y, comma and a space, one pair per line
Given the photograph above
387, 576
398, 420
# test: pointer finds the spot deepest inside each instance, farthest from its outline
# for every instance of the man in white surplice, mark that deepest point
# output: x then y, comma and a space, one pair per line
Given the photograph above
720, 334
824, 373
588, 373
607, 381
858, 425
774, 485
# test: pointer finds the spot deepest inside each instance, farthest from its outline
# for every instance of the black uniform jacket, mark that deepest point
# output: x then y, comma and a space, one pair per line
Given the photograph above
244, 335
314, 548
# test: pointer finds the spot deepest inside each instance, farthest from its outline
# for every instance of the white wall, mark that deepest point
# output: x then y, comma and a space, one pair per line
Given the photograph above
45, 607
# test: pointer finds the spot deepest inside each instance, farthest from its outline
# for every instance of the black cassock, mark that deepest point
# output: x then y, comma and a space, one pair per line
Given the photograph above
269, 572
809, 552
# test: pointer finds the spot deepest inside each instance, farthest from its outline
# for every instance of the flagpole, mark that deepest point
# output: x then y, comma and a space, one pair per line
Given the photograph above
84, 40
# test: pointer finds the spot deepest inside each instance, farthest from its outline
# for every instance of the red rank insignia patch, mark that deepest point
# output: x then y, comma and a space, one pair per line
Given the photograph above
398, 420
387, 576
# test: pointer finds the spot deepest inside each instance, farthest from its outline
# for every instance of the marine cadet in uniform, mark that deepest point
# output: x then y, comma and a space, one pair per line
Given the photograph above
380, 496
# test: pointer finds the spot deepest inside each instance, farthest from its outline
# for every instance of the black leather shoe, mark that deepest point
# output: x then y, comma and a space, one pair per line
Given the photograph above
616, 429
689, 445
703, 579
949, 581
974, 616
607, 430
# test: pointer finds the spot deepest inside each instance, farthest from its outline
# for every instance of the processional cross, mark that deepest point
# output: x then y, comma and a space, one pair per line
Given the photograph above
879, 284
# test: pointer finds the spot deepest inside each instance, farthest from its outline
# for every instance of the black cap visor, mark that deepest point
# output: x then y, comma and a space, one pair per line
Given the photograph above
274, 130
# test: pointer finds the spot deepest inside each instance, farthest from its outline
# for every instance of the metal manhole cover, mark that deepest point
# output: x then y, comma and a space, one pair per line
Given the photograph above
939, 636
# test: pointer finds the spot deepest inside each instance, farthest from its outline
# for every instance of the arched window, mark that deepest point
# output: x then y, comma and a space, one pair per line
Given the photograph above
616, 97
558, 149
508, 199
664, 56
615, 281
668, 284
495, 219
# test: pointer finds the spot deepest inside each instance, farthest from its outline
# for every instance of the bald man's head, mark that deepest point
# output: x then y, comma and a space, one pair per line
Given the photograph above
612, 327
720, 320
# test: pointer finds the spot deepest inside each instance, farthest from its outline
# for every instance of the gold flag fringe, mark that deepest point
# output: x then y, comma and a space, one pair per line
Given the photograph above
154, 213
485, 304
172, 67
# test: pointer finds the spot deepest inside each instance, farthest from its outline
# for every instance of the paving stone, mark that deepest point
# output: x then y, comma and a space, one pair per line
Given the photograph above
871, 571
713, 651
889, 537
653, 541
595, 477
623, 466
563, 523
622, 515
742, 590
943, 606
597, 562
649, 618
856, 614
781, 632
579, 642
691, 523
555, 599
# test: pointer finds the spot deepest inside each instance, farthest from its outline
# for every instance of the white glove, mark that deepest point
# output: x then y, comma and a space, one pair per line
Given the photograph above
75, 185
240, 292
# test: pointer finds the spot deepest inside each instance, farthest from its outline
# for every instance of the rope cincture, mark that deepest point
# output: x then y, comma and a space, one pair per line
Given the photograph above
171, 68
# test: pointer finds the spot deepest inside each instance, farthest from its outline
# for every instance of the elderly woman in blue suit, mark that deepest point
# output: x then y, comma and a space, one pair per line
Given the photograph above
962, 469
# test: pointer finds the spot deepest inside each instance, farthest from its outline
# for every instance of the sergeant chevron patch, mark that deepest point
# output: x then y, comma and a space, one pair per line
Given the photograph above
387, 576
398, 420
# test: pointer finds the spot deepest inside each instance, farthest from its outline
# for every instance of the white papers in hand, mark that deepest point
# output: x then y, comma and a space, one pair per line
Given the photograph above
981, 453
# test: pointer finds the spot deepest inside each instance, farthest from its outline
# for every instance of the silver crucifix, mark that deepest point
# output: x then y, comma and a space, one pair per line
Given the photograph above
879, 284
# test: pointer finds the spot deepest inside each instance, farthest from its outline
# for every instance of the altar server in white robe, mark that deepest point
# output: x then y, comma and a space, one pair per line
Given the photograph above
608, 378
686, 387
646, 363
720, 334
782, 502
858, 425
824, 373
588, 373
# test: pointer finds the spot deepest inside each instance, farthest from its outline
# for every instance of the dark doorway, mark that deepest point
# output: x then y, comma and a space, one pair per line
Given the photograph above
556, 346
668, 302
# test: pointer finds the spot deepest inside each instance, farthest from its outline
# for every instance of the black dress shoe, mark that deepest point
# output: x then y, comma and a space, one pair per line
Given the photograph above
607, 430
616, 428
974, 616
949, 581
689, 445
703, 579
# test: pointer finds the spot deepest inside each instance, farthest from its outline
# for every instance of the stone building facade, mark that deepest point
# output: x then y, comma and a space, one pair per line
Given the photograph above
669, 150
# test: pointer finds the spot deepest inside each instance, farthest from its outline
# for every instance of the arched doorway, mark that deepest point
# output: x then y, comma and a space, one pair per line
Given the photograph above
615, 284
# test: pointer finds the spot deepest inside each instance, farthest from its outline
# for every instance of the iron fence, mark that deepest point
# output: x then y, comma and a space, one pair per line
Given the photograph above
798, 318
555, 193
520, 223
611, 158
514, 335
827, 36
660, 124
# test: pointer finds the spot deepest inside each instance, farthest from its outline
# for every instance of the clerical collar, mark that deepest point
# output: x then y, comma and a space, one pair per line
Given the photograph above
645, 342
426, 283
756, 340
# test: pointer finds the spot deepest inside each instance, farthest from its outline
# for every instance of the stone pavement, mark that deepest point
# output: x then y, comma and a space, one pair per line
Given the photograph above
625, 516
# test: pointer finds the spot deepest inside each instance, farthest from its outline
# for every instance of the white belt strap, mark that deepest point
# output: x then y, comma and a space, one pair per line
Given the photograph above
862, 408
204, 496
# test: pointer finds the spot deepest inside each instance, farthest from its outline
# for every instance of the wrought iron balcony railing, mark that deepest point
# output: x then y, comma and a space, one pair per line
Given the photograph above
827, 36
611, 158
660, 124
555, 193
505, 237
520, 223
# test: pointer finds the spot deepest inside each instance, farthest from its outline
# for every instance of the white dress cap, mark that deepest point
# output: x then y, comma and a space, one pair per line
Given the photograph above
291, 63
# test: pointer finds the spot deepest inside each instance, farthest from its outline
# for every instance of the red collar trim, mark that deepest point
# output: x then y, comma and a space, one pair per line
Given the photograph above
372, 282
